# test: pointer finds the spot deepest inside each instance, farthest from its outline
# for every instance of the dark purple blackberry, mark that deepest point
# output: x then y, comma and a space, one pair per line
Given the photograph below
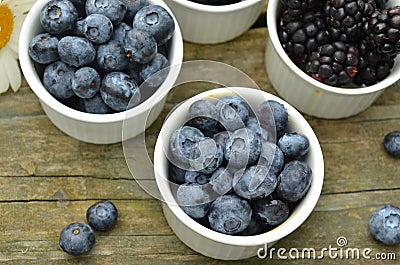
296, 8
383, 30
300, 37
334, 64
372, 66
346, 18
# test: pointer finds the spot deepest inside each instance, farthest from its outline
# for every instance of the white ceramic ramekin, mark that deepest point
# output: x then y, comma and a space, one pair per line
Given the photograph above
97, 128
307, 94
214, 244
206, 24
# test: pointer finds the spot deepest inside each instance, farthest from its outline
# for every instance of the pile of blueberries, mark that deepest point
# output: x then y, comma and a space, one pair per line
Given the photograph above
79, 238
94, 55
238, 171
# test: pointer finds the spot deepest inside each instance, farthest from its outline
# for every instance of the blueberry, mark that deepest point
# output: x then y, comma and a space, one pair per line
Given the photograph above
210, 157
77, 239
153, 72
43, 48
76, 51
58, 16
133, 6
119, 91
221, 139
294, 145
57, 79
193, 199
115, 10
384, 225
391, 143
254, 183
196, 177
86, 82
221, 181
273, 114
239, 105
183, 146
229, 214
202, 115
157, 21
232, 112
140, 46
97, 28
95, 105
111, 56
255, 227
176, 174
272, 157
254, 125
120, 32
271, 211
242, 148
102, 215
133, 70
294, 181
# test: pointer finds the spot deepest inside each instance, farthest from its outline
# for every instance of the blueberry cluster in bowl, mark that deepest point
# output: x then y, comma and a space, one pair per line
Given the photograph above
93, 56
349, 43
235, 170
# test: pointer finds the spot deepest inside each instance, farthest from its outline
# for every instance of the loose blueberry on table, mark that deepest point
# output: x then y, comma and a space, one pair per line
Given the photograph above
384, 225
77, 239
83, 42
391, 143
102, 215
232, 179
341, 43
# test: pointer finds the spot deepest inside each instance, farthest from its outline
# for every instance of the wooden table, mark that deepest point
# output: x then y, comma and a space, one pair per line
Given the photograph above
48, 180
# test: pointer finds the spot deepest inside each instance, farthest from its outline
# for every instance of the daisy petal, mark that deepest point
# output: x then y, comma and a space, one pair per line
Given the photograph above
4, 84
12, 70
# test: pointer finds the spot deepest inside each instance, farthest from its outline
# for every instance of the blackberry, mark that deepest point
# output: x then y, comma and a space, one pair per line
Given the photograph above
346, 18
300, 37
334, 64
297, 8
372, 65
383, 30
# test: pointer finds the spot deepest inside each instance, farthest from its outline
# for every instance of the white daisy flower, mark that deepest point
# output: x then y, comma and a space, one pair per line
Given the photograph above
12, 15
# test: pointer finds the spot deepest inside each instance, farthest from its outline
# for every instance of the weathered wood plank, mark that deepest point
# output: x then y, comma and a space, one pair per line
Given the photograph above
69, 189
142, 232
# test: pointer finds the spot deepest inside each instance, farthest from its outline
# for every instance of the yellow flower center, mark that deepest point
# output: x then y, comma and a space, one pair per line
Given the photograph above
6, 24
